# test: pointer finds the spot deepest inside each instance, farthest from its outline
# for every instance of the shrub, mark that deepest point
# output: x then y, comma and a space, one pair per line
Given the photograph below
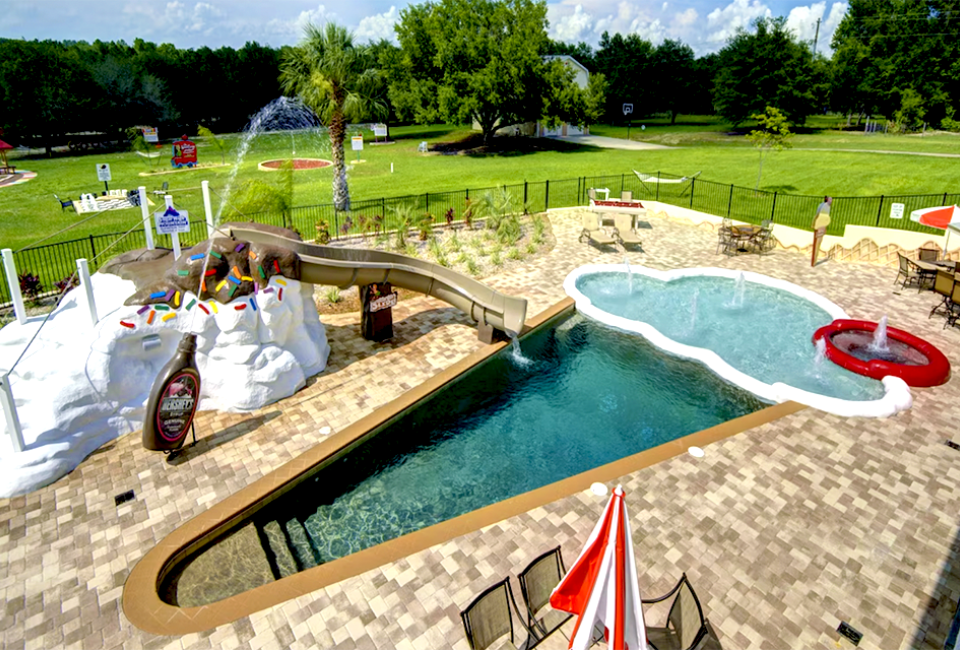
333, 295
472, 267
495, 259
67, 283
514, 254
949, 124
468, 214
403, 214
531, 248
30, 285
425, 226
453, 243
448, 215
347, 226
323, 232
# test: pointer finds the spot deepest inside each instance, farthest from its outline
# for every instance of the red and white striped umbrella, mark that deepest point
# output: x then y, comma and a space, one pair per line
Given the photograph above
946, 217
601, 586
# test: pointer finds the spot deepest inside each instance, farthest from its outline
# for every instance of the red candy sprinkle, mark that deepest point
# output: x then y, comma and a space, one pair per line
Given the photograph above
241, 306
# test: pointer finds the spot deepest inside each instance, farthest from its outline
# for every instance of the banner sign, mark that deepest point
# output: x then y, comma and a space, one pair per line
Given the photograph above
150, 134
171, 221
384, 302
103, 172
356, 143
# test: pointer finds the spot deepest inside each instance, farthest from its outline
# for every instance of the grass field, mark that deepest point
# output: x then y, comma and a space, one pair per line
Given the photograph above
29, 212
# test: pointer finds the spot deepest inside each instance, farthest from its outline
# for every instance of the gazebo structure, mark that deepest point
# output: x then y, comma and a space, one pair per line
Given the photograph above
4, 167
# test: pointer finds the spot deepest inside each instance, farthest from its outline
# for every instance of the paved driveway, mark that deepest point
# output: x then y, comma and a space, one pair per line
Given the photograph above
609, 143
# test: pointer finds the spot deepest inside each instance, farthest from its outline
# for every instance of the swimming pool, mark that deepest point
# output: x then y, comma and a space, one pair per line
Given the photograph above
582, 395
752, 330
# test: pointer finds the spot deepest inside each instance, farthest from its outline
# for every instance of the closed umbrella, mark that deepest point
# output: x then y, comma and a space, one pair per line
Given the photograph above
945, 217
3, 152
601, 588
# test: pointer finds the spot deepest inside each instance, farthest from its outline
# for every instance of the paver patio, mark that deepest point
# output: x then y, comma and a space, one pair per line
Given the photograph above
784, 530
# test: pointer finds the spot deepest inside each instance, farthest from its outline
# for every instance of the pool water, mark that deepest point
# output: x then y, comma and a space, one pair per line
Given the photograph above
585, 395
759, 330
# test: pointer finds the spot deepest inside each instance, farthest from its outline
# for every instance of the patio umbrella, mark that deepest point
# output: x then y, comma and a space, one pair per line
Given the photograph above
946, 217
601, 586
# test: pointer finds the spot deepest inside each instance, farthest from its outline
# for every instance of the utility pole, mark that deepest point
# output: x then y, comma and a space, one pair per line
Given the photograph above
816, 37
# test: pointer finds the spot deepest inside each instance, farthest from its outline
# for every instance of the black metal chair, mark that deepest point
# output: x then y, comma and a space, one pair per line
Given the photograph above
489, 618
163, 189
910, 273
943, 285
537, 582
725, 239
685, 626
928, 254
65, 204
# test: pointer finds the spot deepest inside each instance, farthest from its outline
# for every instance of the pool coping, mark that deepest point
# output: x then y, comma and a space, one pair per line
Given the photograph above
144, 608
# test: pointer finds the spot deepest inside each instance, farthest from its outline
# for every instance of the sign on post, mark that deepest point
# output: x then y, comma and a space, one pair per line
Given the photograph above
103, 174
172, 220
627, 109
379, 130
356, 143
896, 211
150, 134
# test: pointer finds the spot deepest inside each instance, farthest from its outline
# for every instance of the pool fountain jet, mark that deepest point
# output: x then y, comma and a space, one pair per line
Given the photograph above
821, 355
880, 345
693, 309
626, 263
739, 288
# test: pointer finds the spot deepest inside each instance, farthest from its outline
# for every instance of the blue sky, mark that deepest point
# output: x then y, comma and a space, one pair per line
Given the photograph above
703, 24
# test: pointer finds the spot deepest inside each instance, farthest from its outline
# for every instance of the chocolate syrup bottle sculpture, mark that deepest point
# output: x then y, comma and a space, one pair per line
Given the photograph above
173, 399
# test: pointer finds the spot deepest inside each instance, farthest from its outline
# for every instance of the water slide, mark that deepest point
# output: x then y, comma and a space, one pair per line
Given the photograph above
345, 267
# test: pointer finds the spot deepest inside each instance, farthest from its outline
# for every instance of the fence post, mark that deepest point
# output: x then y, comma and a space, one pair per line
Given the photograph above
693, 183
658, 185
944, 202
546, 197
578, 190
10, 413
621, 184
879, 210
13, 281
207, 209
83, 271
174, 236
525, 199
773, 210
147, 221
426, 201
93, 248
730, 202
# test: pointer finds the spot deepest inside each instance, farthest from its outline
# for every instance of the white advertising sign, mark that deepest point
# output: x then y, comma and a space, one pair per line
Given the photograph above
103, 172
896, 211
380, 130
356, 143
170, 221
150, 134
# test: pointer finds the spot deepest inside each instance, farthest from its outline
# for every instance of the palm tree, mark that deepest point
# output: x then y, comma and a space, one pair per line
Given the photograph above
337, 79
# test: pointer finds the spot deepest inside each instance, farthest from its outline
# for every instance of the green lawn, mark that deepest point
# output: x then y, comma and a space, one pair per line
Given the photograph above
29, 212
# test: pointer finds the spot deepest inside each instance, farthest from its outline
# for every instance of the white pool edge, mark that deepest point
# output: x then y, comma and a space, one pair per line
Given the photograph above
896, 398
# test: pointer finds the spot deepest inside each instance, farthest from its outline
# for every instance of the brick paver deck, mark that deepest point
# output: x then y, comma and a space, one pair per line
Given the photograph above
784, 530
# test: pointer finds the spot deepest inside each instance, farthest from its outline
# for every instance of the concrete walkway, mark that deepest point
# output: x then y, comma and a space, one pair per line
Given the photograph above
610, 143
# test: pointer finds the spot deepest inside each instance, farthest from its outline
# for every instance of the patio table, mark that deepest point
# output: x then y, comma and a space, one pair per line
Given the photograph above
743, 235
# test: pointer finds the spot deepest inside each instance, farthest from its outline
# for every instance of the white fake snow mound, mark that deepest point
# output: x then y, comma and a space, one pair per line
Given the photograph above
80, 386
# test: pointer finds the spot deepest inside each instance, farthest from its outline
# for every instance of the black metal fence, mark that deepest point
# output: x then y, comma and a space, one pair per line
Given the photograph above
56, 262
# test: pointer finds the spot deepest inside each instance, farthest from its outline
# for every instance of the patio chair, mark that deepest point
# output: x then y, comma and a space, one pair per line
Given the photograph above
685, 626
488, 619
928, 254
943, 285
725, 239
65, 204
764, 240
911, 272
953, 312
163, 189
593, 232
537, 582
626, 195
623, 230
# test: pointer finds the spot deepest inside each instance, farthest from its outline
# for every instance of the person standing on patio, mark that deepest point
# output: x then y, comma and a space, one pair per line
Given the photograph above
820, 223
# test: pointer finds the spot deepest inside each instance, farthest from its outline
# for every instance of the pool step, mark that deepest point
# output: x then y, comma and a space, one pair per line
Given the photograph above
300, 544
282, 554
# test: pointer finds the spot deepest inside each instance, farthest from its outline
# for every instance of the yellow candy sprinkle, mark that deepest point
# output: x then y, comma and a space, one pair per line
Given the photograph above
220, 286
176, 299
246, 278
213, 306
281, 282
172, 314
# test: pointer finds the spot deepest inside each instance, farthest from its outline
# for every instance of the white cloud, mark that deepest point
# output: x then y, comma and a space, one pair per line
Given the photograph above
686, 18
575, 27
379, 26
724, 23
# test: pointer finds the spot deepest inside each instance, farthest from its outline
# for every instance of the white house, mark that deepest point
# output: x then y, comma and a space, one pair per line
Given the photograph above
581, 78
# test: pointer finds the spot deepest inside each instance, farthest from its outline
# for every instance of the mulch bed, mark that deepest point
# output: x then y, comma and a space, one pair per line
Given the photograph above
472, 145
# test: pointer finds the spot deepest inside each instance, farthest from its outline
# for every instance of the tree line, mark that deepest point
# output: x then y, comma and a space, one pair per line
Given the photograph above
484, 62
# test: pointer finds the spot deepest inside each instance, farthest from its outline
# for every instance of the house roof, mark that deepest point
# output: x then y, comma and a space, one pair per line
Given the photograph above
566, 58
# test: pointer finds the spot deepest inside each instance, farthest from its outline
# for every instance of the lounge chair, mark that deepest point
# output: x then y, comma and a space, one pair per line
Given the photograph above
65, 204
911, 272
623, 230
685, 626
593, 232
537, 582
488, 619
